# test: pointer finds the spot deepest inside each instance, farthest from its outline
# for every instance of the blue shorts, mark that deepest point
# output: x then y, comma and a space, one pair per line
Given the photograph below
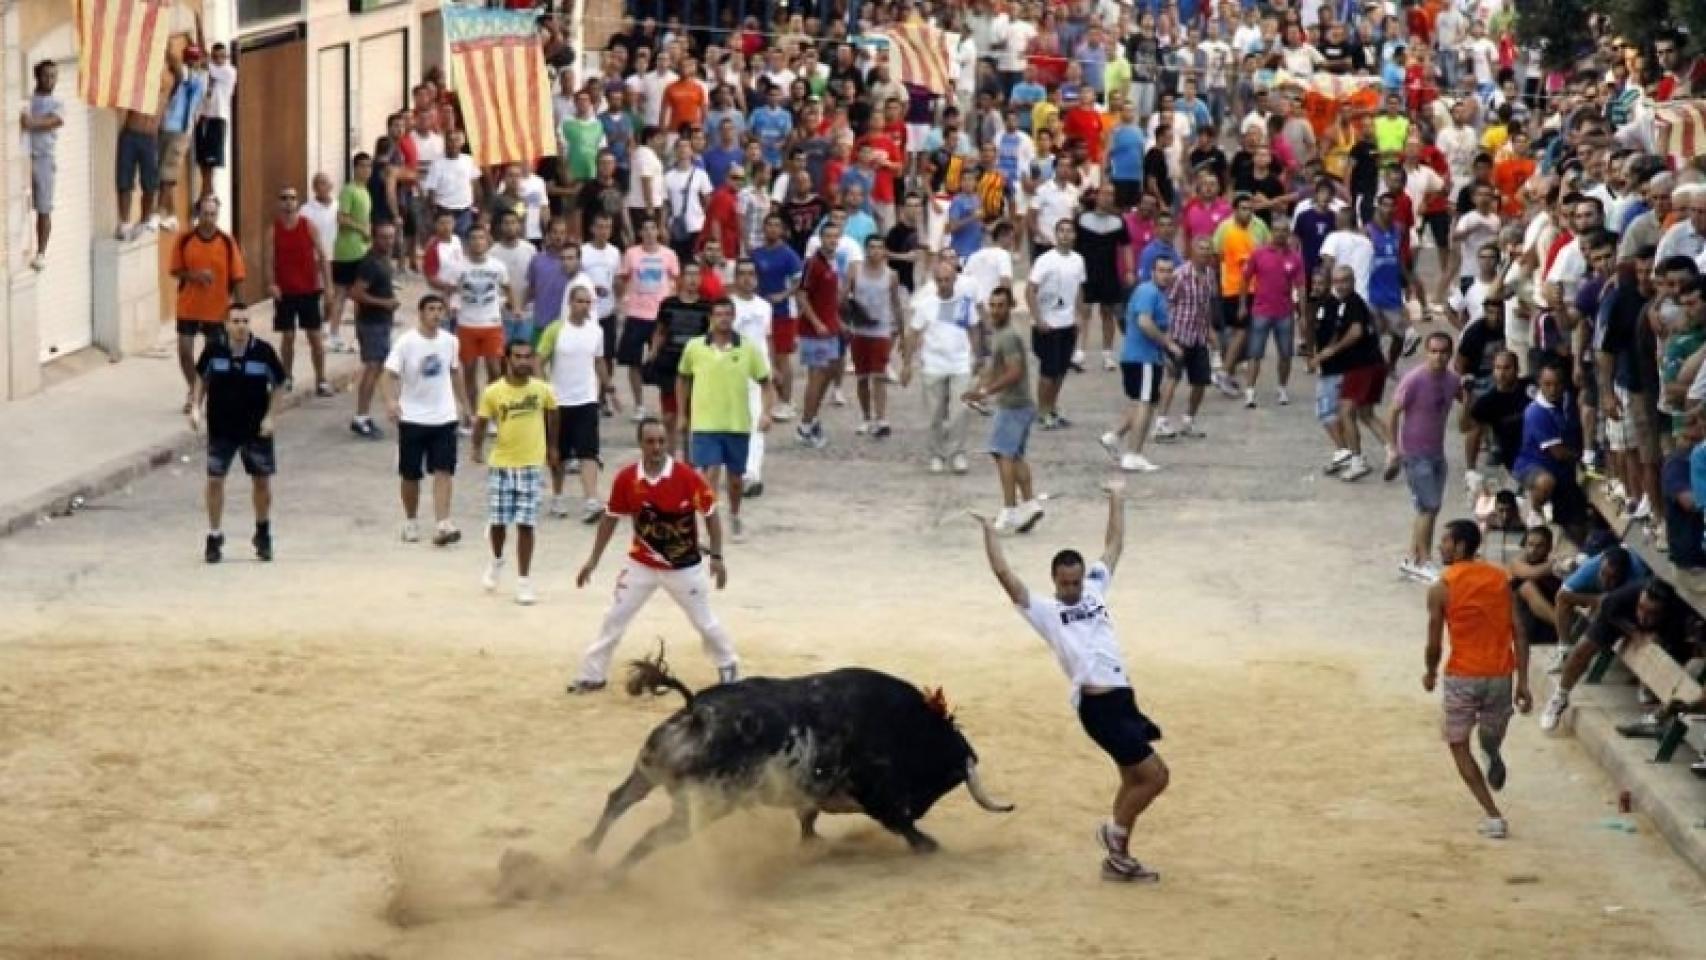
1425, 476
518, 330
1259, 329
1327, 397
819, 352
721, 450
1010, 430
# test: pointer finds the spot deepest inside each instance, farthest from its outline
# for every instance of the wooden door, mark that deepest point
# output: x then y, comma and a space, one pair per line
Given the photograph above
269, 143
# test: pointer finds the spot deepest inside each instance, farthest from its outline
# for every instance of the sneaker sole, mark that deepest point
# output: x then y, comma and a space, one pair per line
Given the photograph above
1031, 524
1115, 875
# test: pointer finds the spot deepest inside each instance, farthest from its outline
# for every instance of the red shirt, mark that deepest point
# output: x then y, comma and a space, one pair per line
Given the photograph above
883, 147
722, 214
294, 267
665, 511
833, 168
822, 289
1085, 123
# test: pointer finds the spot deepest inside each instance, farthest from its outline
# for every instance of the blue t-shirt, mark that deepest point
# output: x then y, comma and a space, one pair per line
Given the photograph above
719, 161
968, 239
1125, 153
1542, 426
714, 123
860, 226
1585, 578
1138, 348
772, 125
186, 97
1007, 155
1026, 95
777, 266
1157, 249
618, 135
855, 177
1385, 274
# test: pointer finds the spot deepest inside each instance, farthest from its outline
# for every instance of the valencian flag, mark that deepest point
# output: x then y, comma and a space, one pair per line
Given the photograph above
121, 52
918, 54
498, 73
1679, 130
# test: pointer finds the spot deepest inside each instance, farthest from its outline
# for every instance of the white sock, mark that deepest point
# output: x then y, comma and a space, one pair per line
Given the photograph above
215, 532
1118, 833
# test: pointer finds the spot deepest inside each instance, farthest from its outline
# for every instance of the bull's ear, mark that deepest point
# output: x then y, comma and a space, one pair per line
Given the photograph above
936, 700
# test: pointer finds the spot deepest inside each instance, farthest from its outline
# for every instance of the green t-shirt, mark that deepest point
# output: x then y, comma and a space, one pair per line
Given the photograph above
720, 378
581, 138
1116, 77
1391, 132
355, 202
1006, 350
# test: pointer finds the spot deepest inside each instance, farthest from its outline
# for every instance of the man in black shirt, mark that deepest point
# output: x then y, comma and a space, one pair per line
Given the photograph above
1629, 376
1206, 154
238, 380
1499, 410
1641, 611
1352, 374
681, 319
902, 239
1482, 176
1479, 343
375, 297
1157, 181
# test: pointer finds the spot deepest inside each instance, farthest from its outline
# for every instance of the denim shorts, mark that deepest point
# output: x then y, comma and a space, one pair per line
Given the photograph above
1260, 326
721, 450
1327, 397
1010, 430
518, 329
819, 352
1425, 476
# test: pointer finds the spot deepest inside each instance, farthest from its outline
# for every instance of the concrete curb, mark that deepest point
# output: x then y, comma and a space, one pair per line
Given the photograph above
1673, 799
65, 498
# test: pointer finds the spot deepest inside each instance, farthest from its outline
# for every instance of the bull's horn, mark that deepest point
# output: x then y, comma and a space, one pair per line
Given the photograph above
984, 800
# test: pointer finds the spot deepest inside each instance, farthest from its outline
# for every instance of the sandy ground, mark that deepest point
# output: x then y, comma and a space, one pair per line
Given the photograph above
328, 757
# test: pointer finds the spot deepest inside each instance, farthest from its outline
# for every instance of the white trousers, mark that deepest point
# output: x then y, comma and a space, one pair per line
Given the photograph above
948, 423
755, 447
691, 591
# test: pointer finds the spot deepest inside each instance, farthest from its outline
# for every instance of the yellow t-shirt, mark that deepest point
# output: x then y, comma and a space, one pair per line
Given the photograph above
1043, 116
1235, 244
518, 415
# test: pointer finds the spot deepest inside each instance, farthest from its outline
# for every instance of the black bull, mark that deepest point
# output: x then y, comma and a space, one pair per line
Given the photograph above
847, 741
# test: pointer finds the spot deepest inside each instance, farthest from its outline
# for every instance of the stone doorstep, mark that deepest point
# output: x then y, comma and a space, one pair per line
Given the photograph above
1665, 794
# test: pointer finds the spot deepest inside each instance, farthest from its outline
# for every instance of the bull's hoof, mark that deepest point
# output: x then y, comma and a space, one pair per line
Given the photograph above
923, 843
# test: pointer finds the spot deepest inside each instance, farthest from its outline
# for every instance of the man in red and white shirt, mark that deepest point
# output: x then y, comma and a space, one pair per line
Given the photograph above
665, 498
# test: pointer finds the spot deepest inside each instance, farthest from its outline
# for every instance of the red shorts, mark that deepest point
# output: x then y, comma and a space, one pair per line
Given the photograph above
666, 400
871, 355
1364, 385
478, 342
784, 336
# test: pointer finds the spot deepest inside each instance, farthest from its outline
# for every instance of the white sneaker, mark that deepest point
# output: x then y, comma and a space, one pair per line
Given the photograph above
465, 430
1355, 469
864, 428
1555, 662
125, 231
1110, 442
1340, 460
1004, 521
524, 594
836, 398
1249, 398
1431, 572
38, 263
592, 511
1282, 397
494, 569
1189, 430
1644, 509
559, 507
1078, 358
938, 465
638, 415
1493, 828
782, 412
167, 223
1137, 463
1026, 516
1108, 361
1164, 431
1409, 569
958, 464
1555, 707
411, 531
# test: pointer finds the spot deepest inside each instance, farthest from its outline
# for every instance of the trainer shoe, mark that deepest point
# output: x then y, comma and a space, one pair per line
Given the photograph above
262, 542
592, 511
411, 532
1111, 847
639, 414
1137, 463
1409, 569
820, 439
1249, 398
863, 429
494, 569
754, 488
445, 535
1108, 361
558, 507
958, 464
524, 594
938, 465
1493, 828
1412, 340
324, 389
1340, 460
1356, 469
1110, 442
1164, 431
782, 412
837, 398
1004, 521
881, 429
1555, 707
580, 687
1029, 513
729, 674
1282, 398
1495, 768
1127, 871
1077, 362
213, 552
1190, 432
1555, 660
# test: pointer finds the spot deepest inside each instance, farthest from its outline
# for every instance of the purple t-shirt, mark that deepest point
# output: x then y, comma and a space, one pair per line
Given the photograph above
1276, 273
1426, 398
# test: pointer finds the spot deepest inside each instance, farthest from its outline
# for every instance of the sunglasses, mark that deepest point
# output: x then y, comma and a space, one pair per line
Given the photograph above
287, 196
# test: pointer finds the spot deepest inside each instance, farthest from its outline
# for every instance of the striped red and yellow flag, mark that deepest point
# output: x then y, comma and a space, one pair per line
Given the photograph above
1680, 129
919, 55
121, 52
498, 72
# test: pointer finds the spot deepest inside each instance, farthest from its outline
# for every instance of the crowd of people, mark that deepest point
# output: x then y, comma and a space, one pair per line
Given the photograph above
737, 214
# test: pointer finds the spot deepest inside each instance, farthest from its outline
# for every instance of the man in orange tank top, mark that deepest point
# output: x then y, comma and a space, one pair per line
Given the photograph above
1472, 601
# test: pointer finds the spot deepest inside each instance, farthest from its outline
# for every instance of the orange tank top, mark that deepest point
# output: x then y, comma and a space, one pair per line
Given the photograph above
1478, 618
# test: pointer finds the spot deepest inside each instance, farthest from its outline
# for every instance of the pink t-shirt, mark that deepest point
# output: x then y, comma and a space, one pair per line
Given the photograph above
651, 277
1276, 273
1426, 398
1201, 219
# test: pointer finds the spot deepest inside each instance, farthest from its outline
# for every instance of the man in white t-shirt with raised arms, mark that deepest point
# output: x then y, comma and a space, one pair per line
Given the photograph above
1057, 278
421, 396
753, 315
1074, 622
571, 348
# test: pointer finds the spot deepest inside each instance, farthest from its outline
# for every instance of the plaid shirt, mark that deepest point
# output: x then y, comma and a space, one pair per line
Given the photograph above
1189, 302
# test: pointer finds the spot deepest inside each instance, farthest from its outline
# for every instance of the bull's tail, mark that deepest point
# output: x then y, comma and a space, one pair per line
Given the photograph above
652, 674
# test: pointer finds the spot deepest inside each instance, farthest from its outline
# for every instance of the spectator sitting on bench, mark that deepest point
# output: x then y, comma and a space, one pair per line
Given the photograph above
1684, 473
1607, 568
1551, 449
1534, 586
1649, 610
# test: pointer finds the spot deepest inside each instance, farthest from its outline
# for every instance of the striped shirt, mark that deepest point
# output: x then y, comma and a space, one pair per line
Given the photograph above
1189, 302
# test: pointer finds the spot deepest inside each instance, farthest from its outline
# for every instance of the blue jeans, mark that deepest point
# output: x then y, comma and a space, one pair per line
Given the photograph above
1010, 430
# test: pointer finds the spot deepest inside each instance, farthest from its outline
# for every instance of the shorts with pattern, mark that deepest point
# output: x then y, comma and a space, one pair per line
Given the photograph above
1472, 702
817, 353
512, 496
257, 455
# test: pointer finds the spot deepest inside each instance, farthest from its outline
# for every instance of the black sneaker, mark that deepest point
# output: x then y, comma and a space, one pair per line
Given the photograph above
263, 545
754, 489
214, 551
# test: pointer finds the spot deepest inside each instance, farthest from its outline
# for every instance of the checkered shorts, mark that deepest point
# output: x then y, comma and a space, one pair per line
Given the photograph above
512, 495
